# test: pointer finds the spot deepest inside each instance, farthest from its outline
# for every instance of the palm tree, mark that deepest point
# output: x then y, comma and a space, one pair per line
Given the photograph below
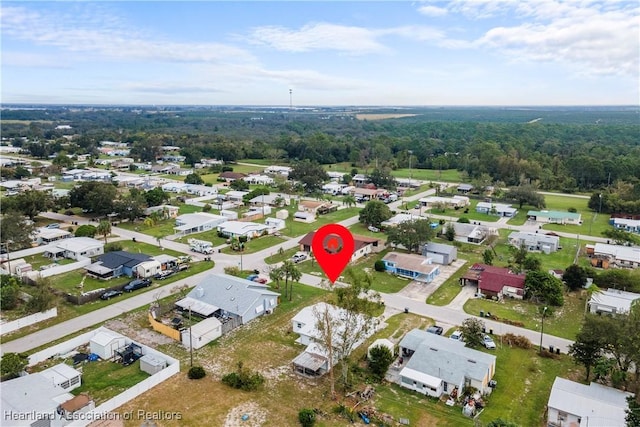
349, 200
104, 228
276, 274
292, 273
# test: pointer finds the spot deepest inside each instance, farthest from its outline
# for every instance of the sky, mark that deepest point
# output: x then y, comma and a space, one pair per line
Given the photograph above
331, 53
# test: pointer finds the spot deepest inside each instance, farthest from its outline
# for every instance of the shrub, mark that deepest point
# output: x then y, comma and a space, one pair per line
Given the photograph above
380, 359
227, 169
379, 265
86, 230
307, 417
463, 220
517, 341
243, 379
113, 246
572, 210
206, 208
196, 372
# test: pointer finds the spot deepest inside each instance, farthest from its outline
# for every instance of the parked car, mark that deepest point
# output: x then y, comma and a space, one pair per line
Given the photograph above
137, 284
110, 294
457, 335
164, 274
298, 258
181, 267
373, 229
53, 225
488, 342
435, 330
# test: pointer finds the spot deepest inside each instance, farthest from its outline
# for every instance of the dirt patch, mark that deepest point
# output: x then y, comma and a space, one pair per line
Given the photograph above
130, 327
248, 414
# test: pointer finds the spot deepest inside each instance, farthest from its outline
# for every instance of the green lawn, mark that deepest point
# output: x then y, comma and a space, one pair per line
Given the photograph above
280, 256
470, 213
103, 380
162, 228
256, 245
524, 383
449, 289
295, 228
185, 208
564, 322
449, 175
362, 230
38, 261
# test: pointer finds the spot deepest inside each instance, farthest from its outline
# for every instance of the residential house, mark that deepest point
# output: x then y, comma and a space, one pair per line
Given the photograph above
628, 225
230, 299
173, 158
198, 222
555, 217
546, 243
604, 255
366, 193
408, 183
455, 202
469, 233
272, 199
333, 188
499, 209
75, 248
314, 361
165, 211
577, 405
494, 282
612, 301
360, 180
398, 219
413, 266
362, 245
336, 176
440, 253
116, 264
302, 216
44, 235
257, 179
236, 229
175, 187
278, 170
312, 206
201, 190
164, 168
438, 365
464, 188
236, 196
275, 224
230, 176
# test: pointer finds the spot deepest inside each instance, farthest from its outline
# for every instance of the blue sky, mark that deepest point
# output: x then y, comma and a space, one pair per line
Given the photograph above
479, 52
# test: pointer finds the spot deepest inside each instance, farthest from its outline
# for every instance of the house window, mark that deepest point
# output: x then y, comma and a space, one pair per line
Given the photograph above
299, 325
445, 386
562, 416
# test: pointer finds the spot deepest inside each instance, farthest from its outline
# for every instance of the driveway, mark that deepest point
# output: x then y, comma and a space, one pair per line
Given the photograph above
421, 291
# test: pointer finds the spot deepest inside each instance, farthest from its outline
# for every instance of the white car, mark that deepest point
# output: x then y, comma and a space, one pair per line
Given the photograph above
457, 335
487, 341
373, 229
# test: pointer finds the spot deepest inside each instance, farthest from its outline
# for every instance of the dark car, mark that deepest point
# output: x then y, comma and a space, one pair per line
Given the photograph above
110, 294
435, 330
137, 284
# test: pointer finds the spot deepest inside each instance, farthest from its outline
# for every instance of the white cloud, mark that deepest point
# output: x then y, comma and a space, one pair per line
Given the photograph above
318, 36
434, 11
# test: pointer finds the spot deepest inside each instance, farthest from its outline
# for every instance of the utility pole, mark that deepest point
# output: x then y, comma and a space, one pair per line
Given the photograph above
544, 311
190, 338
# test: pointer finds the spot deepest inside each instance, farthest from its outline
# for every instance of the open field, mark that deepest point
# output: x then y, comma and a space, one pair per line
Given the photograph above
447, 175
564, 322
160, 229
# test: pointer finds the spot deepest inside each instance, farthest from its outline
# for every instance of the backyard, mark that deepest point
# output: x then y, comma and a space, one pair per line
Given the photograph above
103, 379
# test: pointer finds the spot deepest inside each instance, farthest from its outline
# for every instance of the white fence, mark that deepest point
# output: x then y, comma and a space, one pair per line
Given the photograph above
59, 269
14, 325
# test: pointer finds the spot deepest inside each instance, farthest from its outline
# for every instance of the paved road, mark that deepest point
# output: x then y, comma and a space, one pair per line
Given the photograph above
450, 315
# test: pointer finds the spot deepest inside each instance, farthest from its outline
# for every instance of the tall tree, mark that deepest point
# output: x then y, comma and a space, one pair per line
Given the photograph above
32, 202
374, 213
291, 274
526, 194
16, 231
276, 275
156, 197
540, 286
411, 234
193, 178
310, 174
575, 276
147, 149
95, 197
471, 329
9, 292
104, 229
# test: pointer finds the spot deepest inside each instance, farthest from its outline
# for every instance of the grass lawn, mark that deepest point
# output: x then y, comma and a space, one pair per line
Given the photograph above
524, 383
565, 321
362, 230
449, 289
280, 256
160, 229
38, 261
449, 175
256, 245
295, 228
103, 380
471, 214
185, 208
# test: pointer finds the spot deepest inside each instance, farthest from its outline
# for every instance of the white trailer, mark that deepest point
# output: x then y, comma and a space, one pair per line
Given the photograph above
201, 246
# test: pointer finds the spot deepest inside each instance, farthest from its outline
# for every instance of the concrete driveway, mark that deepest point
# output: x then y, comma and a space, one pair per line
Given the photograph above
420, 291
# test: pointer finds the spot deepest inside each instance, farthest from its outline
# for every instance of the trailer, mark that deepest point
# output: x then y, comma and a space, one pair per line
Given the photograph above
201, 246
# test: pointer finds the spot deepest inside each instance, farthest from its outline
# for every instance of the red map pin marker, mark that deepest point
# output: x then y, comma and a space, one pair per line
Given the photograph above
333, 246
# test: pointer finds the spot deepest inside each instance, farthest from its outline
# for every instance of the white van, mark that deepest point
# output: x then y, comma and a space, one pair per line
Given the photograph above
457, 335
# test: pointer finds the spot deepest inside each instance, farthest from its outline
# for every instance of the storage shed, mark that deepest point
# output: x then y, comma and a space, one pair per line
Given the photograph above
63, 376
105, 344
152, 364
202, 333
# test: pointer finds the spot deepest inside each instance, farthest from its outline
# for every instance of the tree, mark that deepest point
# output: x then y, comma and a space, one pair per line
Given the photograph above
156, 197
349, 200
633, 412
487, 257
15, 231
86, 230
31, 203
374, 213
471, 329
277, 275
588, 346
62, 161
12, 364
380, 358
379, 265
93, 196
147, 149
541, 287
9, 292
450, 232
382, 178
104, 229
239, 185
193, 178
575, 276
411, 234
620, 237
310, 174
526, 194
291, 274
41, 298
131, 206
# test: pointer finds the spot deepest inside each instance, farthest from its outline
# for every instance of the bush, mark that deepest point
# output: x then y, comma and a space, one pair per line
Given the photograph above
463, 220
379, 265
572, 210
227, 169
307, 417
206, 208
196, 372
517, 341
379, 362
112, 247
243, 379
86, 230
